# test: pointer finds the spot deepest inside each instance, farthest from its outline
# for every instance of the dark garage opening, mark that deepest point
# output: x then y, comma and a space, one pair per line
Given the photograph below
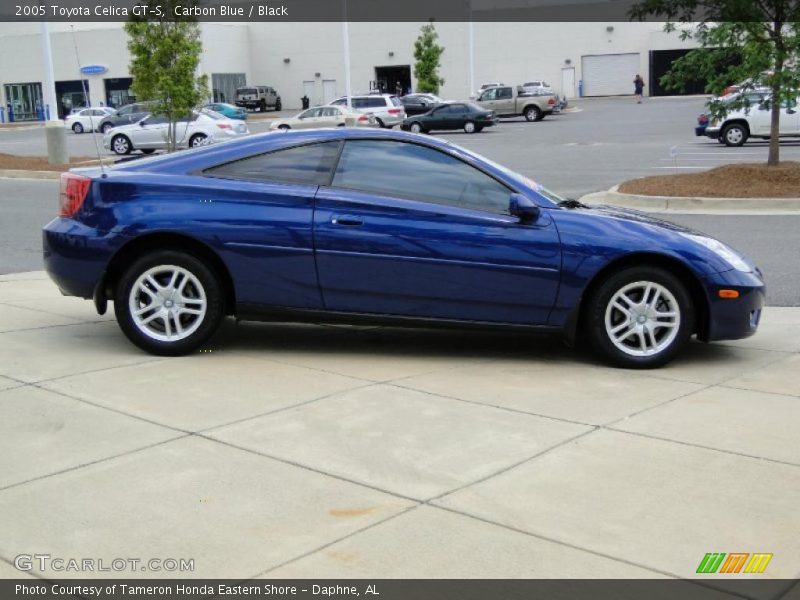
386, 79
661, 62
71, 94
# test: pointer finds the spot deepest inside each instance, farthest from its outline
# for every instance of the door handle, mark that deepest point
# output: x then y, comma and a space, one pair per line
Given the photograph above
347, 221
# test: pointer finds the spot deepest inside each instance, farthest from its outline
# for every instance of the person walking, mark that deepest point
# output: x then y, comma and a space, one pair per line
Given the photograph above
638, 88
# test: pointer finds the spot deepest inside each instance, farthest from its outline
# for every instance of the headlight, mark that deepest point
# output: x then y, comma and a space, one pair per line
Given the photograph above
726, 253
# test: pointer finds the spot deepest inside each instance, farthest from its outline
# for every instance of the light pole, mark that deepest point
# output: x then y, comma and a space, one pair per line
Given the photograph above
54, 129
346, 38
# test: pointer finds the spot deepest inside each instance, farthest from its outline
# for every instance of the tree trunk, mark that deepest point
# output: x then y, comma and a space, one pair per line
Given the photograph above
775, 124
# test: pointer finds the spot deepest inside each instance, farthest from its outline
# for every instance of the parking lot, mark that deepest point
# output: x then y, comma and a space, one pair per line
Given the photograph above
332, 451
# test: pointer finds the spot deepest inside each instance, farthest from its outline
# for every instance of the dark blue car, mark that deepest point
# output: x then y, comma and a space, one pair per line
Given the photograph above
378, 226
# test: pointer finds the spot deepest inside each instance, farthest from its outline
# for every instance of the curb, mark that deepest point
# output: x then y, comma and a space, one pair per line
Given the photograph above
17, 174
691, 204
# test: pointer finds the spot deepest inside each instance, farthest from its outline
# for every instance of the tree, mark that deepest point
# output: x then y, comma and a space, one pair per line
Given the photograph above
427, 53
165, 54
756, 42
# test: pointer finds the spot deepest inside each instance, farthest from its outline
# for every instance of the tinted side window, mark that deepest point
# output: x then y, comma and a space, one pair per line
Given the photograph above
418, 173
310, 164
503, 93
489, 95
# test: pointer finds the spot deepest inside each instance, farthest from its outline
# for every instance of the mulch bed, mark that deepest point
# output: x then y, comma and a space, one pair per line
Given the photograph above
39, 163
727, 181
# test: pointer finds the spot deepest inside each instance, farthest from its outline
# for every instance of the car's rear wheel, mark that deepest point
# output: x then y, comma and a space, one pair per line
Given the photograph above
533, 113
640, 317
278, 105
106, 128
416, 128
198, 139
284, 127
735, 134
469, 127
168, 303
380, 123
121, 145
77, 128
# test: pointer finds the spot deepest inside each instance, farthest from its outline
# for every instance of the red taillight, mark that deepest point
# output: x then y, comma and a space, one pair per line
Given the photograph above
551, 101
702, 120
395, 111
74, 189
363, 119
223, 126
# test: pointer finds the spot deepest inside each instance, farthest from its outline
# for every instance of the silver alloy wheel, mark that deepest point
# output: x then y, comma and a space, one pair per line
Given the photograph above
416, 128
199, 140
167, 303
469, 127
734, 135
642, 318
121, 145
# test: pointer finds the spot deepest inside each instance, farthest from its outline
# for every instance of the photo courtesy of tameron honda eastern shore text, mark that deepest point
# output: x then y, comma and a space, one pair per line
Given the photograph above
368, 225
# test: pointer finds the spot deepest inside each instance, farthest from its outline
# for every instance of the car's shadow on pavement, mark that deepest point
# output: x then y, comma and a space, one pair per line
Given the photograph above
439, 343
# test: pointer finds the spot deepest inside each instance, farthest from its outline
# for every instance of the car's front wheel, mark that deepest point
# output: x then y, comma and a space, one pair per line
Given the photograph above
121, 145
735, 134
168, 303
640, 317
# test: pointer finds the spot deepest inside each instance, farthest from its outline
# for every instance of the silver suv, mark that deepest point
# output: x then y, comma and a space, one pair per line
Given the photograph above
258, 97
387, 108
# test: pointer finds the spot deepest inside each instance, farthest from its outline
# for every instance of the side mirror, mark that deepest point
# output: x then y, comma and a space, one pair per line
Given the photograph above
524, 208
142, 123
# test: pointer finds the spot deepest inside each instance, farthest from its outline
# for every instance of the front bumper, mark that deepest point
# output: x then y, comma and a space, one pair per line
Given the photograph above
733, 319
712, 132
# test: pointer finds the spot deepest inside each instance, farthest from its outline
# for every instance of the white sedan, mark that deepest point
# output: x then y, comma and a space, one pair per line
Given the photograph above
87, 119
324, 116
150, 133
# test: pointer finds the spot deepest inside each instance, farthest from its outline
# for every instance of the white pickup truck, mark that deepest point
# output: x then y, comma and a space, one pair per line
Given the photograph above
754, 121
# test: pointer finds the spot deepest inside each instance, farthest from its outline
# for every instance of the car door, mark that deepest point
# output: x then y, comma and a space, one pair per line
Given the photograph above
406, 229
152, 132
761, 119
307, 119
505, 101
265, 203
488, 99
458, 115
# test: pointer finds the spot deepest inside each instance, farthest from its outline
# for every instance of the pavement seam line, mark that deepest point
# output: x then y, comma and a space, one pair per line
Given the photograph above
510, 467
309, 468
659, 405
13, 304
92, 463
341, 539
702, 447
284, 408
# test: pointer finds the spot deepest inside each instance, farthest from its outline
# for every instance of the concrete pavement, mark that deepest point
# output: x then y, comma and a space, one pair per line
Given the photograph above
321, 451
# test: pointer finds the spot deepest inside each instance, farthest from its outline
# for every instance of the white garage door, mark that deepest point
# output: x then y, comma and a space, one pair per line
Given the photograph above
609, 74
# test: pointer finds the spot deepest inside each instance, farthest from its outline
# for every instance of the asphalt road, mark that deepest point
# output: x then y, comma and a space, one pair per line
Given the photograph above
608, 140
772, 241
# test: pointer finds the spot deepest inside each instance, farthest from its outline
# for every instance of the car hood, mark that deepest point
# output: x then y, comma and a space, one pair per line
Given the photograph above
639, 216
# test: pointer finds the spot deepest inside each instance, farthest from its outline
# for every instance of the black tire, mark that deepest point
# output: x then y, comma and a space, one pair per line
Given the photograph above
284, 127
77, 128
533, 113
416, 127
198, 139
734, 135
470, 127
148, 150
121, 145
263, 106
106, 127
598, 307
215, 305
380, 123
278, 105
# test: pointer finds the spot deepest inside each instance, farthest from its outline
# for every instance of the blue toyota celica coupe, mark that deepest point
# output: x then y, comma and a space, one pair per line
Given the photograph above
347, 225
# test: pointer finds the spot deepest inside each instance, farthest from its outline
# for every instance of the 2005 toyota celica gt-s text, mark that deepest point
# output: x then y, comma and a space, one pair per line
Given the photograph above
388, 227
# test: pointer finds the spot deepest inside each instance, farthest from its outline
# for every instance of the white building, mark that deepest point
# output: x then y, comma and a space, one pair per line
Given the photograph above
595, 59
